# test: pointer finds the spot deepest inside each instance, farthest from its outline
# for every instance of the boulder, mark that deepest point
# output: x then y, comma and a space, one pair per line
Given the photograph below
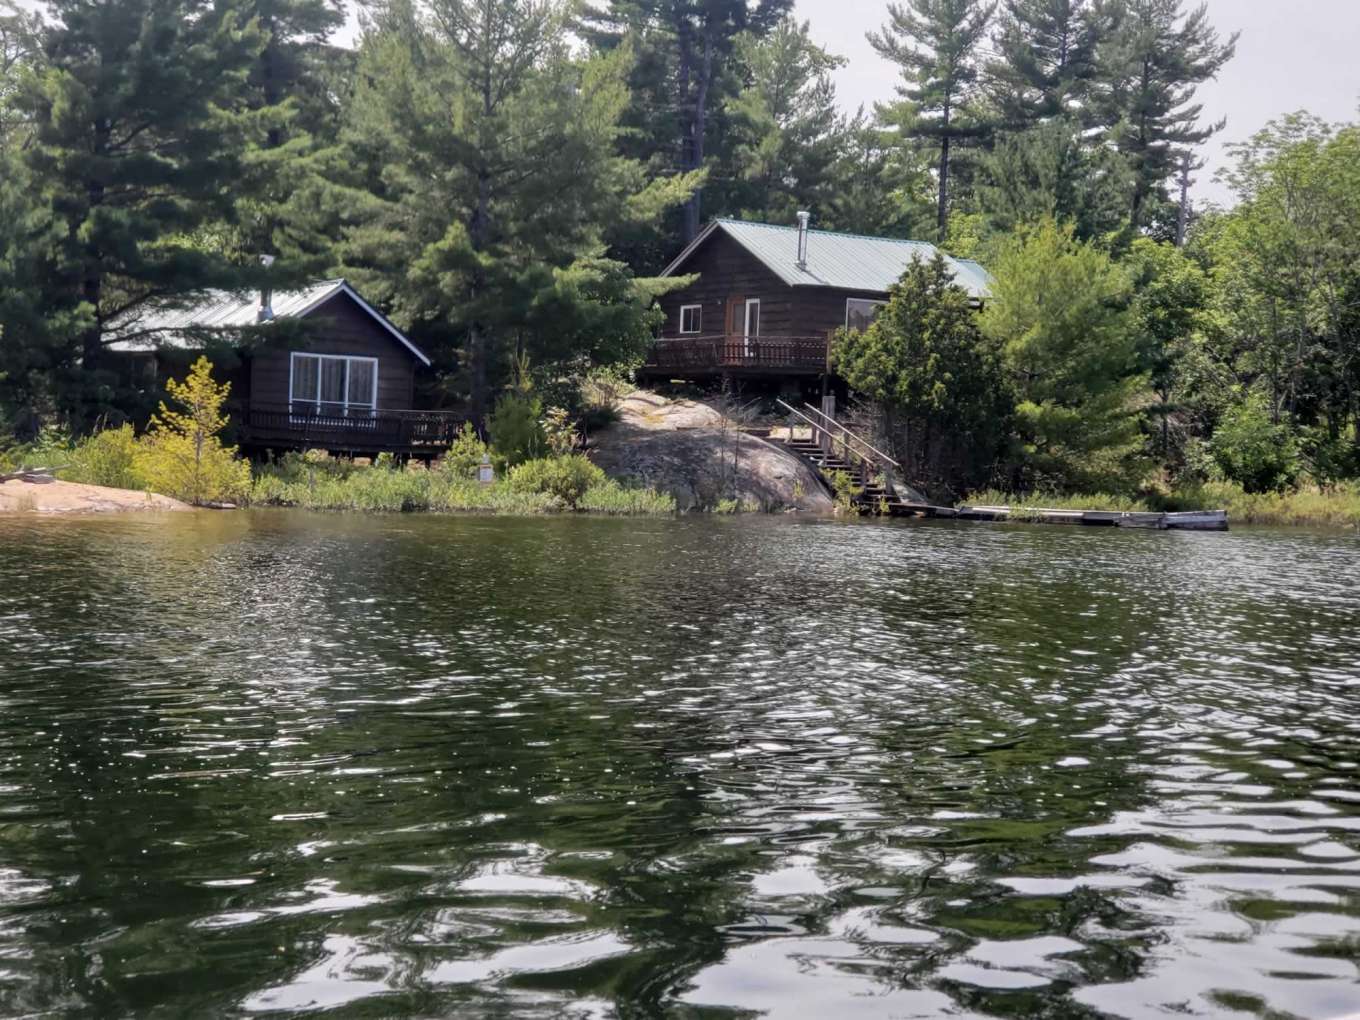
682, 447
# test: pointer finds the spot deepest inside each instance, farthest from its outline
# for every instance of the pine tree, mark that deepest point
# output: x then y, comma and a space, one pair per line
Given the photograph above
294, 94
787, 128
1046, 59
19, 49
685, 72
935, 42
1149, 69
1052, 170
136, 143
487, 169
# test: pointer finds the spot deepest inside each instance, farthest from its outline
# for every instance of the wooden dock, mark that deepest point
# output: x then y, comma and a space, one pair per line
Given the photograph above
1198, 520
832, 449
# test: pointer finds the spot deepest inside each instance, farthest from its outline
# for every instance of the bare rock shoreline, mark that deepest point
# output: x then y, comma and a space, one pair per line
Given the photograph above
682, 447
29, 495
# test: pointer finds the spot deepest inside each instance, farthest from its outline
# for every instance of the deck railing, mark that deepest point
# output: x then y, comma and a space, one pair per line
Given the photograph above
359, 430
802, 354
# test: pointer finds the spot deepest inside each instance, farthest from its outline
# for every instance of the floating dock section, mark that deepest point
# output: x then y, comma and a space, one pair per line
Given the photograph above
1198, 520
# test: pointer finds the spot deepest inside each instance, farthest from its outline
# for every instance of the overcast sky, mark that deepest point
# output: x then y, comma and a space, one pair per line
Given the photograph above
1293, 54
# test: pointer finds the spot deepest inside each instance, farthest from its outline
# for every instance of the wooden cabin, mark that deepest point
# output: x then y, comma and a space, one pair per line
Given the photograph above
317, 367
768, 298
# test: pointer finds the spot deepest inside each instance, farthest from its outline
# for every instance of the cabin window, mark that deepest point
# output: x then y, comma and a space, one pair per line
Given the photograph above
333, 385
860, 312
691, 318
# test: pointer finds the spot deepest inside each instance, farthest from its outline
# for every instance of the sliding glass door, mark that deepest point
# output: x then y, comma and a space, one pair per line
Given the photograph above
332, 386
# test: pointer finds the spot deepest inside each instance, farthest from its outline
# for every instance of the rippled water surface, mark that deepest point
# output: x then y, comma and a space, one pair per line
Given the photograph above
276, 763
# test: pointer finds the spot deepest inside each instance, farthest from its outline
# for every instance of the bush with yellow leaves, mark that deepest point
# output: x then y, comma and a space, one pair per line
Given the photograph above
182, 455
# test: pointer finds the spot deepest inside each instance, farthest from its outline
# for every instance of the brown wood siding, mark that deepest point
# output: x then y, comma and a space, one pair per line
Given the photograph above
338, 327
727, 269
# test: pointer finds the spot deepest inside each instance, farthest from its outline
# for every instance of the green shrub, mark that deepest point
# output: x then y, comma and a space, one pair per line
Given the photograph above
534, 487
1255, 450
515, 430
51, 449
106, 458
843, 485
565, 478
465, 453
1029, 502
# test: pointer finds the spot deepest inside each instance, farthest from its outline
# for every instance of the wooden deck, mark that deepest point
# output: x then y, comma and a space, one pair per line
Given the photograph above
419, 434
698, 356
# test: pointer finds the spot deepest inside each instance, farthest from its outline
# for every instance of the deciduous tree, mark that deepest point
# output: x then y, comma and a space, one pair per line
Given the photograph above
1059, 310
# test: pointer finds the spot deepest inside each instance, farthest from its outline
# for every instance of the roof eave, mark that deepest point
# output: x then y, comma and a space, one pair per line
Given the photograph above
344, 288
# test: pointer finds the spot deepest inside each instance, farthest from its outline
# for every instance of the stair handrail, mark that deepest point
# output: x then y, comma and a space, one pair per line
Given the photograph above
858, 439
874, 458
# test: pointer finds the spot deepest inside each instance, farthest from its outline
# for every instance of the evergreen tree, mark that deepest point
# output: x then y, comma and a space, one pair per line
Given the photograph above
935, 43
1046, 59
1149, 68
293, 92
136, 144
1051, 170
935, 378
486, 168
786, 128
19, 49
685, 72
883, 183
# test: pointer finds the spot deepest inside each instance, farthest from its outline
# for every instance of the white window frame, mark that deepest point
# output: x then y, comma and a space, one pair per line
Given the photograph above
364, 411
864, 301
699, 309
747, 335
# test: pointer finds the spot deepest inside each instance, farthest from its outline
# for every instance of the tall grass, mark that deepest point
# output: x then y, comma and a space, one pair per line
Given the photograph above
318, 483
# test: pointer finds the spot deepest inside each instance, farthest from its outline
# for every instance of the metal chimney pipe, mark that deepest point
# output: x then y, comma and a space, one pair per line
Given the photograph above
266, 312
803, 218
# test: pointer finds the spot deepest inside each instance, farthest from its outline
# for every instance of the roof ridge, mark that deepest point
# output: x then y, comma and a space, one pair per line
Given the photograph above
826, 233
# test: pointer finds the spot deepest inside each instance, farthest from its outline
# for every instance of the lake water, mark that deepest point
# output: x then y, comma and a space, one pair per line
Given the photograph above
272, 763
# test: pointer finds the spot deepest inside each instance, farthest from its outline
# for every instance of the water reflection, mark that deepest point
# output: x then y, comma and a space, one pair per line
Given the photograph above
274, 763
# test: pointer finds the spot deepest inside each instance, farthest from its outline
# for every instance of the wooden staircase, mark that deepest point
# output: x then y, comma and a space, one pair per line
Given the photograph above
831, 448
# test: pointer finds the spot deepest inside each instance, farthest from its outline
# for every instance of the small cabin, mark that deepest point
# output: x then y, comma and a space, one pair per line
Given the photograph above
317, 367
768, 298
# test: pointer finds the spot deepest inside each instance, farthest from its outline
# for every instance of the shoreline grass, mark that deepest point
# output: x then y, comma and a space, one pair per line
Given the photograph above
1337, 507
339, 486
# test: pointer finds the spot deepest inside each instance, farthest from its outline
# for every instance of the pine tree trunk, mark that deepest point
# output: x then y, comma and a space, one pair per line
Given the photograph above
942, 213
698, 125
92, 278
479, 235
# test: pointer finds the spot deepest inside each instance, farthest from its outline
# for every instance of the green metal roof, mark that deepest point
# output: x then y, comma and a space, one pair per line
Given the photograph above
843, 261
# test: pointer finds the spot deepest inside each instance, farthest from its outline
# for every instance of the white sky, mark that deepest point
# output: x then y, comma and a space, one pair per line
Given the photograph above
1293, 54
